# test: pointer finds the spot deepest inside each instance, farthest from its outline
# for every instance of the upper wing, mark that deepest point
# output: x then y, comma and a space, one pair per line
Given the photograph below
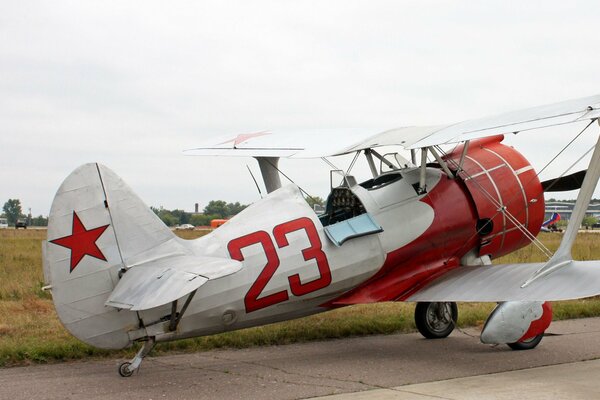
322, 143
497, 283
296, 144
565, 112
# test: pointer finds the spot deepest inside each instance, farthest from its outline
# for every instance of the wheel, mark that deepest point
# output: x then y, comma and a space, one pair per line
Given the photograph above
436, 320
527, 344
124, 370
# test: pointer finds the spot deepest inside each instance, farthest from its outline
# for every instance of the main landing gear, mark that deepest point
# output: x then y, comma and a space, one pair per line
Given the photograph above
129, 367
436, 320
527, 344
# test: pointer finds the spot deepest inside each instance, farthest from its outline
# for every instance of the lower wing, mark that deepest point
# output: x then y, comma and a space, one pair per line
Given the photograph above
504, 282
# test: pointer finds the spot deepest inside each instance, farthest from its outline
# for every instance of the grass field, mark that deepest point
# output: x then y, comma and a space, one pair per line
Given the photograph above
30, 331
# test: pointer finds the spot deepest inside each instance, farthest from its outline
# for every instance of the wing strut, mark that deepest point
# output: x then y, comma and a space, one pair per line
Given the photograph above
423, 171
423, 175
462, 157
563, 256
371, 163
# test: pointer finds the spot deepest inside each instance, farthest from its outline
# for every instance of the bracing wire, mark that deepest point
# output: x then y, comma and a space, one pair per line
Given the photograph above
504, 210
255, 182
353, 162
290, 179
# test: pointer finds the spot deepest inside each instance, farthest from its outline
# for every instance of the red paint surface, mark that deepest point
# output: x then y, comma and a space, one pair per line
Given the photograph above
540, 325
314, 252
502, 185
436, 251
81, 242
458, 204
252, 300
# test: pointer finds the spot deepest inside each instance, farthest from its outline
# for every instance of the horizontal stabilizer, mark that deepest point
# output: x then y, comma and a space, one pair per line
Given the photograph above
495, 283
155, 283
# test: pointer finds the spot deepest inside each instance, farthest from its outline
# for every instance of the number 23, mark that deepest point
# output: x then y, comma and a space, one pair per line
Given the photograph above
280, 232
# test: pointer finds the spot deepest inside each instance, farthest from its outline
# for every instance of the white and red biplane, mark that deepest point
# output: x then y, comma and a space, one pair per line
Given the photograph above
416, 231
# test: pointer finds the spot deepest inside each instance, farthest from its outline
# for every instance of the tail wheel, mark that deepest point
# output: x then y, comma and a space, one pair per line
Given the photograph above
527, 344
436, 320
125, 371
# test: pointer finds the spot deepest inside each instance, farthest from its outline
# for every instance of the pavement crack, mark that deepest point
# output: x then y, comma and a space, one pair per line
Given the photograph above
259, 376
300, 374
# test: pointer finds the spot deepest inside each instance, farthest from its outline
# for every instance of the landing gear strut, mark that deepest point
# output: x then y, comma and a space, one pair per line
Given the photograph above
436, 320
129, 367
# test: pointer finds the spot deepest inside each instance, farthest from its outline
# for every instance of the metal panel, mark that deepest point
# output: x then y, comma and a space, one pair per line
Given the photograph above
503, 283
160, 282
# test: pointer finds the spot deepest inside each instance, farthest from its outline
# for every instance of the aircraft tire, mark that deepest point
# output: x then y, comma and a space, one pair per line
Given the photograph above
436, 320
124, 370
527, 344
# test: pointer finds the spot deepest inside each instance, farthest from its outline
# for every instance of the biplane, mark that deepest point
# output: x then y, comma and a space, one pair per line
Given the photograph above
422, 228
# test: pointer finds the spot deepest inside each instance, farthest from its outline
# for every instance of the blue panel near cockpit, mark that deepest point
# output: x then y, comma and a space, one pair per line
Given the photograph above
351, 228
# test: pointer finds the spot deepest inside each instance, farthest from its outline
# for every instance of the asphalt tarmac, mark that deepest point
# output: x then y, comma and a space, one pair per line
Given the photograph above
379, 367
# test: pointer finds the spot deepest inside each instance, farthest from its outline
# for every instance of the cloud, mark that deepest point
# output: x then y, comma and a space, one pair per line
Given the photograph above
132, 83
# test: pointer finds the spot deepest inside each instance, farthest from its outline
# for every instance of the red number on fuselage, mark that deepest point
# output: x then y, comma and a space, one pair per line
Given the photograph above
251, 300
280, 232
314, 252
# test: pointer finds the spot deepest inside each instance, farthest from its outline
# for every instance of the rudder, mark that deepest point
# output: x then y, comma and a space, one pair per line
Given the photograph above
97, 226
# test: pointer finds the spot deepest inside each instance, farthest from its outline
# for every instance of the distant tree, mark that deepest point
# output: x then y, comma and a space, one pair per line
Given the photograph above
235, 208
182, 216
13, 211
169, 219
588, 220
39, 221
314, 200
217, 207
165, 216
214, 210
202, 219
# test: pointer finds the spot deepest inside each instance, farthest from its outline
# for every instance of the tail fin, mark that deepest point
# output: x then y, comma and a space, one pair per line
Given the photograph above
553, 219
97, 225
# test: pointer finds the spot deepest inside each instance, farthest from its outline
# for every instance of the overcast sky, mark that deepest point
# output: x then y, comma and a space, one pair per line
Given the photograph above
132, 83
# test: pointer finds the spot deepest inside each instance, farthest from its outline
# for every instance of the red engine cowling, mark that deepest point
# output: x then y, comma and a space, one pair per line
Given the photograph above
505, 191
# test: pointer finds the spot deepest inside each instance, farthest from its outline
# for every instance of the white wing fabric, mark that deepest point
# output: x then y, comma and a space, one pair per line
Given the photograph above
496, 283
323, 143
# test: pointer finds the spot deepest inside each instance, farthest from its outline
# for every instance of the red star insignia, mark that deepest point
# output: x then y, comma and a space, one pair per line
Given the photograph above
244, 137
81, 242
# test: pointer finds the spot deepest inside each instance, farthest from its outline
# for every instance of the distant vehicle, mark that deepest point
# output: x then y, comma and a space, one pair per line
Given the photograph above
215, 223
185, 227
3, 223
21, 223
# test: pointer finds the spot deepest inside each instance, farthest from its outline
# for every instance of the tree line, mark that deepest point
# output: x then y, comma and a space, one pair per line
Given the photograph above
215, 209
13, 211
